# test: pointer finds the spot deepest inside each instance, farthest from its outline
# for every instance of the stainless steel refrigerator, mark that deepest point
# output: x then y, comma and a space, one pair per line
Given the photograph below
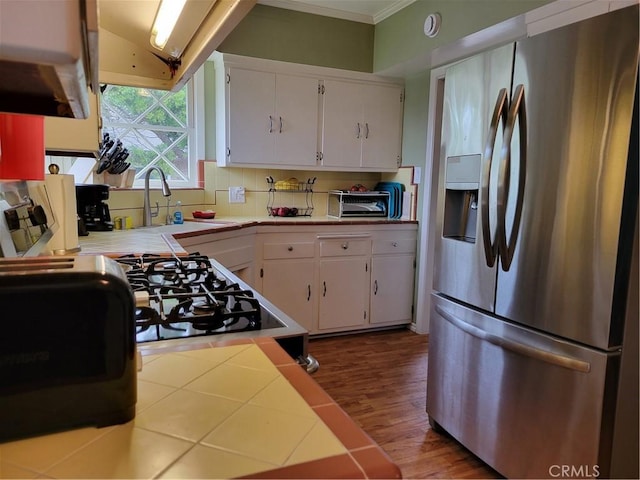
534, 285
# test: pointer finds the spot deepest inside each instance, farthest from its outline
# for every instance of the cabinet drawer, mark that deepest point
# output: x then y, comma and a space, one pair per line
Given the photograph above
388, 245
287, 250
344, 247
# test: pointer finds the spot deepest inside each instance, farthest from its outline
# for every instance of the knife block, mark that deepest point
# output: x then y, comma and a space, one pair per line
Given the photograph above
118, 180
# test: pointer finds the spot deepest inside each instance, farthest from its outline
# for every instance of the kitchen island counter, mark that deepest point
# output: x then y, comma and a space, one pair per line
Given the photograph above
241, 408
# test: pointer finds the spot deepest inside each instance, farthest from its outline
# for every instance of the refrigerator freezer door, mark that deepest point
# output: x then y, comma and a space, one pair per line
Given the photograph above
472, 89
579, 83
524, 402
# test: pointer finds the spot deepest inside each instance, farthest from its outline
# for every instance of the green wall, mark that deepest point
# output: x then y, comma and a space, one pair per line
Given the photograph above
289, 36
401, 37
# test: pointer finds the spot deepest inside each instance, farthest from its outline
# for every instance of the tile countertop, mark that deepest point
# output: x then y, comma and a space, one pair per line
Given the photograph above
156, 239
195, 419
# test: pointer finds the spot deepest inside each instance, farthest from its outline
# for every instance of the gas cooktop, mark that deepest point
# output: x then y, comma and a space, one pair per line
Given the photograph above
182, 297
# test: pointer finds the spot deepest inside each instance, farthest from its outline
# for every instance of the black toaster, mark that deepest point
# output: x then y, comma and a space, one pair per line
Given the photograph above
67, 345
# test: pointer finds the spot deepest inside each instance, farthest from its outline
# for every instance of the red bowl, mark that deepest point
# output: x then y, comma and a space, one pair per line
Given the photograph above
208, 214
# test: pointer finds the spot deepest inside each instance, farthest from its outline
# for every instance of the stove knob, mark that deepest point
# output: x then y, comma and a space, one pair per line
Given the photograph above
142, 299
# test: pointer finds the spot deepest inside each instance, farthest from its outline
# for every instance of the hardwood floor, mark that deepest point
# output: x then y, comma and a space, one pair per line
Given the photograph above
379, 378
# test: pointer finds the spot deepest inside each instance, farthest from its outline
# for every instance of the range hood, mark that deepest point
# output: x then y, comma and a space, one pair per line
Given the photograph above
128, 58
48, 56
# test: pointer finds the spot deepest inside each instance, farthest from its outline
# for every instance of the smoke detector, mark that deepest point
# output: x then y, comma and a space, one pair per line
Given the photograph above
432, 25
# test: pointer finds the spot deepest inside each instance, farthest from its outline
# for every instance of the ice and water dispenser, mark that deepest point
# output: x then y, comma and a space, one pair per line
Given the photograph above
462, 183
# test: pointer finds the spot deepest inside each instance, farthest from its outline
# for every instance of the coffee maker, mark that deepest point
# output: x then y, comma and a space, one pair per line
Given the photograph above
93, 212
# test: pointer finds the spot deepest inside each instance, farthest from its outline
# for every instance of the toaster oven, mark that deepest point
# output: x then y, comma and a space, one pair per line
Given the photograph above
68, 349
343, 203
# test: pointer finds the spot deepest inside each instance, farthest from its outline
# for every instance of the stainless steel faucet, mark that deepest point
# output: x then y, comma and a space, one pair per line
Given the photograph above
166, 192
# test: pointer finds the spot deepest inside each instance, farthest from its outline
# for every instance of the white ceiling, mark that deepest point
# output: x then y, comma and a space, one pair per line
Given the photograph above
365, 11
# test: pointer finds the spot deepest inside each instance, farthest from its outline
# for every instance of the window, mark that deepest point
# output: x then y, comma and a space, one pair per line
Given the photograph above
157, 127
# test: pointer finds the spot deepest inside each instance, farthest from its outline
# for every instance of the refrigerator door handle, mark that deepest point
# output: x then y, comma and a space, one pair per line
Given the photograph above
516, 347
518, 112
500, 113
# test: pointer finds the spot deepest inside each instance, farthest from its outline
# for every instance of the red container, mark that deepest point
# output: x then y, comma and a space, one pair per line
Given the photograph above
21, 147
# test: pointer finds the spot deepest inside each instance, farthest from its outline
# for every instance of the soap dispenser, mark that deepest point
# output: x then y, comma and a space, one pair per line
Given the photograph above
177, 215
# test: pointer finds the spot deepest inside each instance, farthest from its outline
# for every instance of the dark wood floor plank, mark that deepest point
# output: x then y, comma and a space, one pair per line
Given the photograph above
379, 379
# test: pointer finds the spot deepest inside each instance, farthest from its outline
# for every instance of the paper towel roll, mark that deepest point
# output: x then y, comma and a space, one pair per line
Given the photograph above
407, 206
61, 190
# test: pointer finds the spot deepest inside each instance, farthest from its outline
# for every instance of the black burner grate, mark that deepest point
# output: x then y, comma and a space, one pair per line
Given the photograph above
187, 298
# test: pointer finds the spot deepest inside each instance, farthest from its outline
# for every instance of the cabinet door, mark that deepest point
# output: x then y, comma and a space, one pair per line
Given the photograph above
392, 289
382, 139
344, 292
288, 284
296, 114
343, 127
72, 134
250, 116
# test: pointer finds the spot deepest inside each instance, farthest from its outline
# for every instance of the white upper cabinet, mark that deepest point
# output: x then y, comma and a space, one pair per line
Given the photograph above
382, 143
282, 115
342, 131
362, 125
72, 135
272, 118
297, 120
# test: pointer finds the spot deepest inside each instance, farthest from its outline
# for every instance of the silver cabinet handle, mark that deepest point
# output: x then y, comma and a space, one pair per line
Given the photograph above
500, 113
324, 289
394, 244
516, 347
358, 135
375, 287
290, 248
308, 292
366, 130
280, 125
518, 112
270, 124
345, 245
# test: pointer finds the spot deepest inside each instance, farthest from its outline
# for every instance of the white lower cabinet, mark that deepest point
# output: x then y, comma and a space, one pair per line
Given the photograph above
328, 279
344, 282
333, 280
287, 276
291, 288
392, 289
392, 277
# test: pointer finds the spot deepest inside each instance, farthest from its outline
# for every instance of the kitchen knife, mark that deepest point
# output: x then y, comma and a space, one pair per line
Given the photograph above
103, 161
107, 161
119, 165
106, 146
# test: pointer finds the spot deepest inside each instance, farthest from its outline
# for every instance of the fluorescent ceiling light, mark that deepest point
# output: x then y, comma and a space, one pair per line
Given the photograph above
166, 19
